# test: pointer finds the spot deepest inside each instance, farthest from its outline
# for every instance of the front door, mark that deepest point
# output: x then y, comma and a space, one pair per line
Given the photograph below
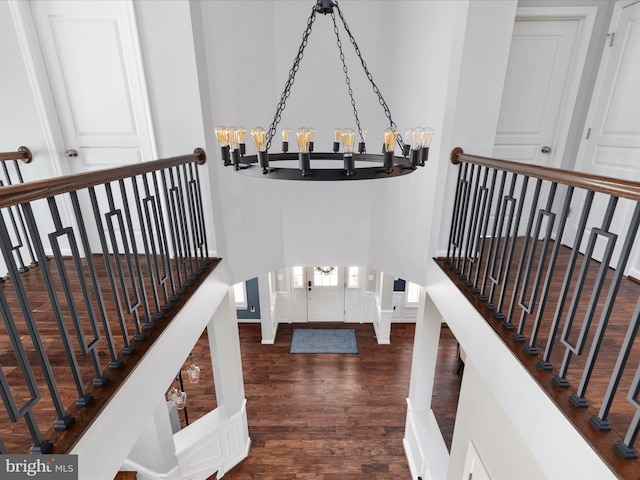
325, 294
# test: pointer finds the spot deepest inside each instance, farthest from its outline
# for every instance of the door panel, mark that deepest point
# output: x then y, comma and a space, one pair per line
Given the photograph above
325, 294
546, 60
613, 145
93, 66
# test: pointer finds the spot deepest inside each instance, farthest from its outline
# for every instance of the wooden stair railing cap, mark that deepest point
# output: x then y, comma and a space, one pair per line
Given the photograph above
608, 185
23, 154
11, 195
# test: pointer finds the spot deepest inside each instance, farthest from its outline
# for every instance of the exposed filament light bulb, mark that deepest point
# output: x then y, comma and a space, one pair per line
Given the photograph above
348, 140
232, 135
221, 135
417, 136
285, 139
259, 138
426, 139
337, 136
302, 136
242, 133
390, 136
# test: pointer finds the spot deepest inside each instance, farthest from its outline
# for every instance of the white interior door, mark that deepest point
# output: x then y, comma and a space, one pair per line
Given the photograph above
325, 294
611, 144
92, 61
546, 60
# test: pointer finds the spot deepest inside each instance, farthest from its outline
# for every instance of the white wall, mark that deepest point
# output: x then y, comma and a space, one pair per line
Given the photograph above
269, 224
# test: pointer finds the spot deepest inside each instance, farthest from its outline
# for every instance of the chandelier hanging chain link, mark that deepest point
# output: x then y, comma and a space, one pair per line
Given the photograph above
346, 74
376, 90
292, 74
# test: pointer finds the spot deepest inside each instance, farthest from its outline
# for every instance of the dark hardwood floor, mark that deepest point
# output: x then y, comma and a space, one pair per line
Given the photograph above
330, 416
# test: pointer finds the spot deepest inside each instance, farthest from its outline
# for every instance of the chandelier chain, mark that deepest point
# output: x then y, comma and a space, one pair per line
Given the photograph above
346, 74
376, 90
292, 74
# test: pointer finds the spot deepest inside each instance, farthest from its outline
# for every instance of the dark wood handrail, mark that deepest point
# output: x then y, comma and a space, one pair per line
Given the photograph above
597, 183
23, 154
27, 192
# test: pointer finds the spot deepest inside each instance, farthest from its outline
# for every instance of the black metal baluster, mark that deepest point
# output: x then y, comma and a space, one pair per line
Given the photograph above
492, 242
468, 221
454, 218
131, 297
84, 398
531, 348
128, 346
625, 447
183, 230
512, 236
203, 232
560, 379
176, 247
578, 397
479, 200
534, 238
114, 362
135, 271
485, 215
63, 418
161, 229
544, 363
149, 246
508, 206
25, 411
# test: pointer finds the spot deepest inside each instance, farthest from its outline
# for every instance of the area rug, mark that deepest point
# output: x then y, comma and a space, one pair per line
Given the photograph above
324, 340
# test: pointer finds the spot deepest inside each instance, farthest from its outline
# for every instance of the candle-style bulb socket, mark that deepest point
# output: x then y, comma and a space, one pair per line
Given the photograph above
362, 148
336, 147
424, 155
311, 146
224, 153
406, 150
304, 161
388, 162
285, 147
416, 155
235, 158
349, 164
243, 149
263, 162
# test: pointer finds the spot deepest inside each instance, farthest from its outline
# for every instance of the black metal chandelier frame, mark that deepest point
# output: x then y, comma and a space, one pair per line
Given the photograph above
383, 165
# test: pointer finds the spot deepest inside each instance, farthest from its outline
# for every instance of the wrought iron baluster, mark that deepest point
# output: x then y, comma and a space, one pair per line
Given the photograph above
578, 398
544, 363
128, 346
133, 261
486, 216
454, 217
560, 379
202, 229
493, 242
479, 201
115, 362
185, 208
161, 229
531, 348
465, 224
176, 247
85, 347
625, 447
63, 418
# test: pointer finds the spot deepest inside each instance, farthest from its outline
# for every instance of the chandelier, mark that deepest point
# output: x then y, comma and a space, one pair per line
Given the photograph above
414, 147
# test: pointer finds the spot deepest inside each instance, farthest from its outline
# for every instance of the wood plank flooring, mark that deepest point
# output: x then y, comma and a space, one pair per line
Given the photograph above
327, 416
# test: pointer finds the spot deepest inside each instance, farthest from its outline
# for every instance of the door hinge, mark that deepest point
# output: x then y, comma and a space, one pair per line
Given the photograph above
588, 133
611, 36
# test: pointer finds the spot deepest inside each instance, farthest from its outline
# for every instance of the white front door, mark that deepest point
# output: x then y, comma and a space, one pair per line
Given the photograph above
548, 51
325, 294
94, 80
611, 142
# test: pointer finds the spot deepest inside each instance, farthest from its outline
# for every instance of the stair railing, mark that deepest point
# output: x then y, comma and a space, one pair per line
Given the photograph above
116, 250
513, 227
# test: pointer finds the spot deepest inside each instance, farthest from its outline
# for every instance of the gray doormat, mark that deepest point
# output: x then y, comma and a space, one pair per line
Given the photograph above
324, 340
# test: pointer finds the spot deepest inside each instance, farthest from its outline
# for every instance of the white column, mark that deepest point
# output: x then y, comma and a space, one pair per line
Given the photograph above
224, 343
154, 450
268, 328
425, 353
385, 308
